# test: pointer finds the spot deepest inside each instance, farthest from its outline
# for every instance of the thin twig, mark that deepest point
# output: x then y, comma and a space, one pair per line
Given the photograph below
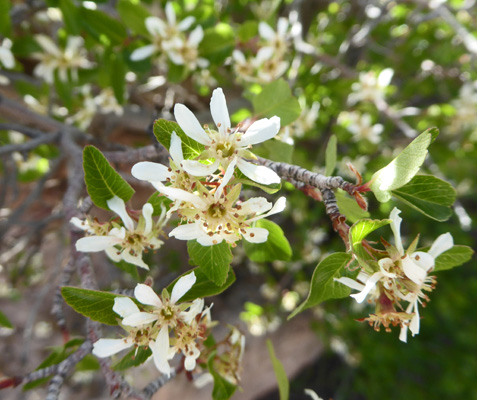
30, 144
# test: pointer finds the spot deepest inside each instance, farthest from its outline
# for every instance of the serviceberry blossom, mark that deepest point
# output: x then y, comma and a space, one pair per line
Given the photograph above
402, 277
71, 59
228, 148
361, 126
371, 87
276, 41
122, 242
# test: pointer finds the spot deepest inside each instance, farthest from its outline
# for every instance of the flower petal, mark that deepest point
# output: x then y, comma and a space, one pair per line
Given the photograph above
187, 232
196, 168
143, 52
396, 228
225, 180
155, 26
146, 295
117, 205
370, 284
260, 131
255, 205
124, 306
182, 286
176, 148
265, 31
139, 319
107, 347
147, 210
279, 206
190, 125
170, 13
258, 173
160, 349
114, 254
150, 171
195, 36
219, 111
93, 244
179, 194
135, 259
415, 321
350, 283
443, 243
186, 23
256, 235
413, 271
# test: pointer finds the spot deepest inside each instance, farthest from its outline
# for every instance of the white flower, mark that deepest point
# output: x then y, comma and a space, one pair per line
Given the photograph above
361, 126
6, 56
186, 52
371, 87
226, 147
276, 41
131, 239
52, 59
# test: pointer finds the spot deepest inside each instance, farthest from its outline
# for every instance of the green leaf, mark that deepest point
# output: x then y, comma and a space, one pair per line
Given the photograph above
358, 233
330, 157
453, 257
70, 16
5, 22
118, 76
163, 130
93, 304
203, 286
275, 150
282, 379
241, 178
275, 248
348, 206
134, 358
214, 260
105, 29
403, 168
102, 181
134, 16
430, 195
276, 99
223, 389
4, 321
247, 31
323, 285
218, 43
64, 91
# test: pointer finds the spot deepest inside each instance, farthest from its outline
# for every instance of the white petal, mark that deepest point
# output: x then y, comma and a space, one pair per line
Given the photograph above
48, 45
370, 284
135, 259
258, 173
190, 125
350, 283
176, 148
255, 205
196, 168
396, 228
107, 347
139, 319
147, 211
256, 235
260, 131
186, 23
190, 363
170, 13
385, 264
415, 321
423, 260
80, 223
403, 334
413, 271
146, 295
225, 180
114, 254
155, 26
264, 54
6, 57
179, 194
187, 232
117, 205
143, 52
205, 240
182, 286
279, 206
443, 243
266, 31
239, 57
282, 26
196, 308
124, 306
93, 244
219, 111
195, 37
160, 349
385, 77
150, 171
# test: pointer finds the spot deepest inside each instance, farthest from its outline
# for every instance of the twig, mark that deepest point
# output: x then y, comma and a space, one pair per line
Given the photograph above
29, 145
155, 385
57, 307
30, 132
134, 155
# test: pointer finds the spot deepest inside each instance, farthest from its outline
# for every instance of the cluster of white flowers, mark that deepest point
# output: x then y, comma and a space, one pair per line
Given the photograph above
465, 106
402, 277
371, 87
269, 62
361, 126
169, 37
52, 58
152, 325
204, 195
122, 242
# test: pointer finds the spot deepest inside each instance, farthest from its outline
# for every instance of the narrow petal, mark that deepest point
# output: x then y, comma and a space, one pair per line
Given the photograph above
219, 111
117, 205
239, 57
205, 240
155, 26
255, 205
187, 232
147, 211
385, 77
190, 125
182, 286
114, 254
258, 173
195, 36
176, 148
186, 23
415, 321
48, 45
107, 347
170, 13
196, 308
350, 283
261, 131
414, 272
403, 334
443, 243
80, 224
93, 244
264, 54
139, 319
265, 31
135, 259
179, 194
279, 206
143, 52
196, 168
146, 295
225, 180
150, 171
370, 284
282, 26
160, 349
423, 260
124, 306
256, 235
396, 228
6, 57
190, 363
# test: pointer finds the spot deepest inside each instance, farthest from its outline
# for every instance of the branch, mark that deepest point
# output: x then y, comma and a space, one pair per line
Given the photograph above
29, 145
155, 385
